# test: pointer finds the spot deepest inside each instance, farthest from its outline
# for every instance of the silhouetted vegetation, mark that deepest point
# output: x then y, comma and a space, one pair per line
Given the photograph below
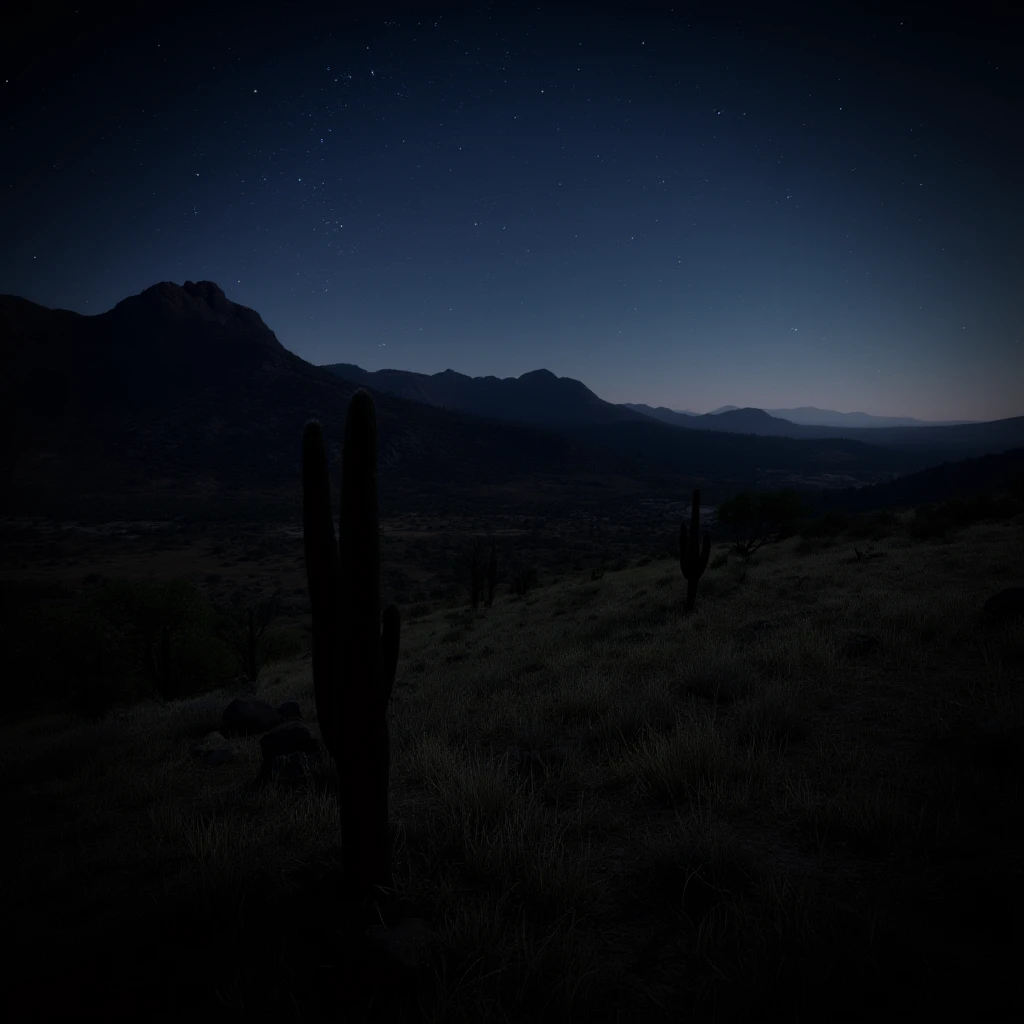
754, 518
693, 560
353, 659
522, 577
492, 572
245, 630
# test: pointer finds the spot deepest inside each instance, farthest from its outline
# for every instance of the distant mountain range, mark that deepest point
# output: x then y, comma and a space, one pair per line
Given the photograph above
806, 415
538, 398
180, 402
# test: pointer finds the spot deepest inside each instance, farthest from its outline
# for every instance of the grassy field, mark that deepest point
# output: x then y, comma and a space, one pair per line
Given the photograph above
803, 802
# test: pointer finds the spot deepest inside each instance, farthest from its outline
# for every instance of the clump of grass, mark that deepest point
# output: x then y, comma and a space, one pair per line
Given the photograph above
771, 721
694, 765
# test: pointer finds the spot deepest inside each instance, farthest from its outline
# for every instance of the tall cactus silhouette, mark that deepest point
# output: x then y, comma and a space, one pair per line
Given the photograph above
353, 661
492, 573
691, 561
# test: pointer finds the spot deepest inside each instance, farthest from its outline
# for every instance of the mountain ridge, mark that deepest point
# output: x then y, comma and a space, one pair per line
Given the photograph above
180, 394
805, 415
538, 397
178, 398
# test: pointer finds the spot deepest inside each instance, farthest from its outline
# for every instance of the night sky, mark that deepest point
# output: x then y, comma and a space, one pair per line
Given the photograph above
813, 207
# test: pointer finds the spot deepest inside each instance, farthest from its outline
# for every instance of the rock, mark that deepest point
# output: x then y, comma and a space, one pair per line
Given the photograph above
1005, 606
214, 750
290, 753
289, 710
288, 738
249, 716
290, 769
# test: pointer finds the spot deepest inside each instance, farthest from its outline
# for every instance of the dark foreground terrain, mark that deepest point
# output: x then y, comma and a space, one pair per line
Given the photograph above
803, 802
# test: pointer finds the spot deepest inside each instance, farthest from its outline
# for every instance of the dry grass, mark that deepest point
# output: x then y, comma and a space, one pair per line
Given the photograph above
784, 803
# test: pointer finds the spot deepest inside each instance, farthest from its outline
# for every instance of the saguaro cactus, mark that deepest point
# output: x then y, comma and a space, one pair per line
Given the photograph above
353, 661
691, 561
492, 573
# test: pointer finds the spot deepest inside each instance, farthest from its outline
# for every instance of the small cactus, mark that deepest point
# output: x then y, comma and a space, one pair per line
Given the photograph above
476, 572
162, 664
492, 573
691, 561
353, 661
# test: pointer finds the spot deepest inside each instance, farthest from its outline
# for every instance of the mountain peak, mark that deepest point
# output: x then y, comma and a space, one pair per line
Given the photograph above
194, 300
538, 375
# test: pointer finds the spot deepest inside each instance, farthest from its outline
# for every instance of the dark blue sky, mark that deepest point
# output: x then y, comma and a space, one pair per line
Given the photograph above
688, 208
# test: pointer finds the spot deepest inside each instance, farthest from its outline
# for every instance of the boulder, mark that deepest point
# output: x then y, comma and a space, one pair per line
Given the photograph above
214, 750
290, 769
249, 716
290, 753
289, 710
288, 738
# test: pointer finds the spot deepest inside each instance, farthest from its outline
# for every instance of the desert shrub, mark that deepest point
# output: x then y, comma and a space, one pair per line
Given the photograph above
137, 610
831, 524
873, 526
754, 518
102, 649
244, 628
522, 577
1017, 487
95, 673
941, 520
987, 507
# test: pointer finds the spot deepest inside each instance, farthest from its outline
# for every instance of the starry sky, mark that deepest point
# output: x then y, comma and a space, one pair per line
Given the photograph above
694, 206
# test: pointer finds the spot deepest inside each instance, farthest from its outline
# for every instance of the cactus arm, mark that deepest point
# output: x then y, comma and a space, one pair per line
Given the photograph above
705, 554
359, 556
321, 553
